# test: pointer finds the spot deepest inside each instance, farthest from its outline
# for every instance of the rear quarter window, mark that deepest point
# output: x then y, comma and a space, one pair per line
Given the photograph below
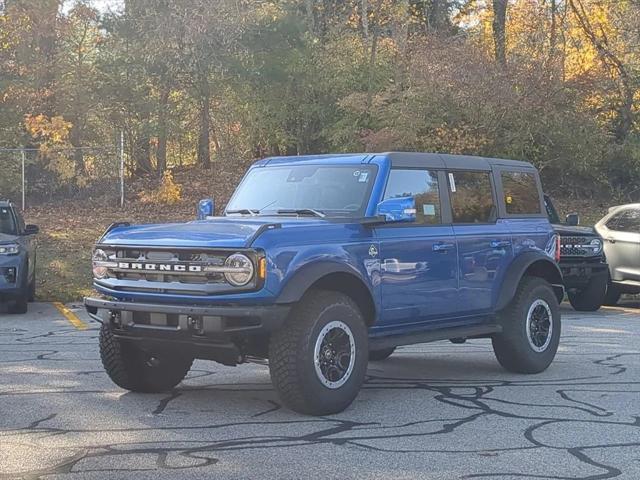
521, 195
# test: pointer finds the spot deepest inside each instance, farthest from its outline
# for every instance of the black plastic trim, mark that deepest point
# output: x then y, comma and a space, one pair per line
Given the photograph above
379, 343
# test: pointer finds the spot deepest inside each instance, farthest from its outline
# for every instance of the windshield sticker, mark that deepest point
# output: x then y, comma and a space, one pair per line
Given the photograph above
364, 176
452, 182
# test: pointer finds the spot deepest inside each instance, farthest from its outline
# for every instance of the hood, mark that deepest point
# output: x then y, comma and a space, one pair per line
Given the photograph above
568, 230
218, 232
6, 238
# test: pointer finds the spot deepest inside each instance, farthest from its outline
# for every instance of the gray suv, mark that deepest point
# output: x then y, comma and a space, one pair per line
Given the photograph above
17, 259
620, 229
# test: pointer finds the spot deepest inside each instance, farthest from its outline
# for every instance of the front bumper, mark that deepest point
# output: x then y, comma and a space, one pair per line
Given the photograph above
578, 273
11, 289
197, 320
207, 332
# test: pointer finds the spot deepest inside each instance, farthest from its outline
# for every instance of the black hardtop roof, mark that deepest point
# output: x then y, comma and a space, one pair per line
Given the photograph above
411, 159
444, 160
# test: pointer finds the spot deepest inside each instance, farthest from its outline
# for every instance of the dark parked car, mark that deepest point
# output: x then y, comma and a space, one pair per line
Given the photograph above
582, 260
321, 263
17, 259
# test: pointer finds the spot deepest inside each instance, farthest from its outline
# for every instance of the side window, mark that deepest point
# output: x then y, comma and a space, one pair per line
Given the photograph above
629, 221
521, 194
423, 186
471, 197
613, 221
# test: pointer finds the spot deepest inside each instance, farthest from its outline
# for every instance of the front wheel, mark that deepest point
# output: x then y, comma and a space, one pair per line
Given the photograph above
133, 369
591, 298
530, 328
318, 359
612, 297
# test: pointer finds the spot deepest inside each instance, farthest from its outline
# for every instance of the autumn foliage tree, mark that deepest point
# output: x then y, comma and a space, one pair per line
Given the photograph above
554, 82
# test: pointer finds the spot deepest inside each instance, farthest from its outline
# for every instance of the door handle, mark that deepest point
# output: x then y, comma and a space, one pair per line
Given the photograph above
443, 247
500, 243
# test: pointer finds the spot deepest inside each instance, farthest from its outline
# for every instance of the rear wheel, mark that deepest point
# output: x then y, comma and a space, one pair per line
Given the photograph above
21, 302
530, 328
32, 289
379, 355
590, 298
318, 359
613, 294
133, 369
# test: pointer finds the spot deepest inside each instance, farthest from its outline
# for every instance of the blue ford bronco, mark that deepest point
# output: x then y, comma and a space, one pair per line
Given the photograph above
322, 263
17, 259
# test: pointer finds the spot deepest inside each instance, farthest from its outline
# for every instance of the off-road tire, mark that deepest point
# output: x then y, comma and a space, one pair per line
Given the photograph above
379, 355
591, 298
512, 346
32, 289
131, 368
20, 303
292, 354
612, 295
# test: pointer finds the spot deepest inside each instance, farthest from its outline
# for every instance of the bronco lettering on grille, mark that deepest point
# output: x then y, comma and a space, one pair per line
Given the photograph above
160, 267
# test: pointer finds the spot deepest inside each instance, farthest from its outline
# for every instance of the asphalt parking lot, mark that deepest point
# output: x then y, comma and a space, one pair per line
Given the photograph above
436, 411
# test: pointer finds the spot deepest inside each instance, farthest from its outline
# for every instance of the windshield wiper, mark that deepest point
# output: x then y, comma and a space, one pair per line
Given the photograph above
244, 211
301, 211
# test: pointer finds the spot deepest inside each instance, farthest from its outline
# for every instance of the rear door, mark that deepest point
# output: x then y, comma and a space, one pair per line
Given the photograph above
484, 243
418, 260
622, 245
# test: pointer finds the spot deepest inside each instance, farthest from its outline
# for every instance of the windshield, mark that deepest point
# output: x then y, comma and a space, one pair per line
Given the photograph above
330, 190
7, 222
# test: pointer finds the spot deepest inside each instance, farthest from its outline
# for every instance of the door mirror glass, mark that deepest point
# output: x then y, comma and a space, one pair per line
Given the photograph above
206, 208
573, 219
399, 209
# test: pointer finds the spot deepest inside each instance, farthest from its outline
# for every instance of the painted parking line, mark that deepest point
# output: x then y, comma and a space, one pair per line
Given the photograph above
72, 317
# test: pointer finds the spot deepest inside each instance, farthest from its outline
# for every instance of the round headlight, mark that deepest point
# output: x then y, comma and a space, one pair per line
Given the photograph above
596, 245
99, 269
240, 269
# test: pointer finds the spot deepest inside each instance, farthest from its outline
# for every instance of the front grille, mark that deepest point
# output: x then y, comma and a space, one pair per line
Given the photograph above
572, 247
165, 281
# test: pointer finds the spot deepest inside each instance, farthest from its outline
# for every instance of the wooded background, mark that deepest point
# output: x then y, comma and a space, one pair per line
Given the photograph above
202, 82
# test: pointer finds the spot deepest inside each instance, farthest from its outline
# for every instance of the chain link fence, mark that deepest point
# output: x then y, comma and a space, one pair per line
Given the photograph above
31, 176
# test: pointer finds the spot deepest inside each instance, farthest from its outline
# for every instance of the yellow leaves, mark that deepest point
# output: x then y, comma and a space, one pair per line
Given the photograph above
168, 193
51, 132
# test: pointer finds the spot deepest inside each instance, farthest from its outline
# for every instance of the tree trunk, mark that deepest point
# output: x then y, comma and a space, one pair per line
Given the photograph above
204, 135
162, 132
554, 32
364, 16
75, 138
499, 30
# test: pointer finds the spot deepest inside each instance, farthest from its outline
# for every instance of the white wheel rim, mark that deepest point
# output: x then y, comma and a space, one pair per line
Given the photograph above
334, 360
539, 326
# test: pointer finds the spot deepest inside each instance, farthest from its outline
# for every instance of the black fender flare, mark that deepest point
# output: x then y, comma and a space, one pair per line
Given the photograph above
541, 266
303, 279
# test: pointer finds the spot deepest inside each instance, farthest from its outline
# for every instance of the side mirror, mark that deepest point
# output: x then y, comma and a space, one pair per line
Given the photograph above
31, 230
402, 209
573, 220
205, 209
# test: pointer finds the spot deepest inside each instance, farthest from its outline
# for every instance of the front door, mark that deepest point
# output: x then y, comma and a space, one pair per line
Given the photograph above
418, 260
